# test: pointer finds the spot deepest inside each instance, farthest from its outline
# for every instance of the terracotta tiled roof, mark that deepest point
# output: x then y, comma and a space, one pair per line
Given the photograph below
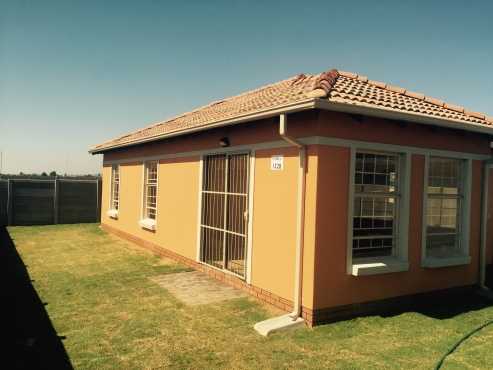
354, 89
333, 86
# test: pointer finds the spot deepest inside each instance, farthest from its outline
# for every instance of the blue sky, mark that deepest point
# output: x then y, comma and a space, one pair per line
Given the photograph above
75, 73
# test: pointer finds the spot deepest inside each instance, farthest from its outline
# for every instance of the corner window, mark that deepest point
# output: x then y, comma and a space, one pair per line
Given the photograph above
150, 190
115, 187
376, 205
445, 208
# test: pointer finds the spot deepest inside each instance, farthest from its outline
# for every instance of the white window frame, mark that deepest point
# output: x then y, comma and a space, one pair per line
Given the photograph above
145, 221
464, 217
399, 260
112, 211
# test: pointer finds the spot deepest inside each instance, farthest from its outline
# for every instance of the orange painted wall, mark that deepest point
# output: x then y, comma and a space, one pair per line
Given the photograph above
489, 235
310, 229
333, 286
331, 224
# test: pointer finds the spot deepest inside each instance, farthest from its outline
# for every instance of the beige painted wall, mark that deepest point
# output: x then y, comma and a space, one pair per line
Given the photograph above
274, 215
274, 221
177, 204
274, 225
325, 282
274, 206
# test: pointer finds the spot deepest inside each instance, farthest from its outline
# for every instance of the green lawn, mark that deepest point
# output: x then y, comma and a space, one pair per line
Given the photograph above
109, 315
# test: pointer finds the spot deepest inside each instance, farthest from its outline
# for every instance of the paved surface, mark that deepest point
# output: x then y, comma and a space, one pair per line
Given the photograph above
195, 288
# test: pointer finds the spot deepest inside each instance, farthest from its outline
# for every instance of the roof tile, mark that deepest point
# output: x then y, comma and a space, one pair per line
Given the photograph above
334, 86
382, 85
475, 114
396, 89
415, 95
348, 74
434, 101
457, 108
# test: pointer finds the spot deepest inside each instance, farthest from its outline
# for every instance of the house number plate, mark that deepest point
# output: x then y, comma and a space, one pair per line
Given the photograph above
277, 163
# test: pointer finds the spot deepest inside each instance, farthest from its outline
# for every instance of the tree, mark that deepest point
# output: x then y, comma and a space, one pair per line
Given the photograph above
44, 174
53, 173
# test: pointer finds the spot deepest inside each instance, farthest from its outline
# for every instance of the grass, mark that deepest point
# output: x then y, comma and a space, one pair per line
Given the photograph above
109, 314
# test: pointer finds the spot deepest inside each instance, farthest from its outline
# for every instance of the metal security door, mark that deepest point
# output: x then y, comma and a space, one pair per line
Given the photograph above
224, 219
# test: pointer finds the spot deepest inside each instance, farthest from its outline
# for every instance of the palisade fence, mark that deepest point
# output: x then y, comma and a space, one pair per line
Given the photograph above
47, 202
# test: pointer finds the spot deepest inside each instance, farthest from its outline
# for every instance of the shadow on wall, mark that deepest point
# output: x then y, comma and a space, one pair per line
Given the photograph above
28, 336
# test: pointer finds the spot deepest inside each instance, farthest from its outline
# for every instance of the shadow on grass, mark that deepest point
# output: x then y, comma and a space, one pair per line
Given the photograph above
28, 336
447, 306
450, 305
440, 305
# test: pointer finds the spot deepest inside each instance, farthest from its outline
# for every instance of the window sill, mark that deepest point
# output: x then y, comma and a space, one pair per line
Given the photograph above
380, 266
113, 213
446, 262
148, 224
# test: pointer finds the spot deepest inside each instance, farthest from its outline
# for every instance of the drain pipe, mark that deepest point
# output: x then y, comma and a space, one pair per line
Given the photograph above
300, 215
292, 319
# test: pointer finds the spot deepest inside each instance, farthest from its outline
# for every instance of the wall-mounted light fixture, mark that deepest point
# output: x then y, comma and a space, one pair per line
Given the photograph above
357, 117
224, 142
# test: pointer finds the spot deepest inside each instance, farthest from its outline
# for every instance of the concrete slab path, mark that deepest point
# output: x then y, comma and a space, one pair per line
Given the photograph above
196, 288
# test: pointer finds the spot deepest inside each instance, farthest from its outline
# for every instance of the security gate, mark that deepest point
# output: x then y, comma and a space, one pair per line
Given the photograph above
224, 219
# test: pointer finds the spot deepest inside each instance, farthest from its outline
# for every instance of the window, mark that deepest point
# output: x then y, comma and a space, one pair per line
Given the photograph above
115, 187
376, 205
444, 207
150, 190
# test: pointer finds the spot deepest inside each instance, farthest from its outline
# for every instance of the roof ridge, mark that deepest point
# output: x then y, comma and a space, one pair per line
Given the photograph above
415, 95
326, 81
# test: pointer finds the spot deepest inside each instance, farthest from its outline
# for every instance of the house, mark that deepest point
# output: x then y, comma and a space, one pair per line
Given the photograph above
326, 195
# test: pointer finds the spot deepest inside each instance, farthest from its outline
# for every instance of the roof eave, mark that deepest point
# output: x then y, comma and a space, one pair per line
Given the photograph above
289, 108
390, 113
312, 103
